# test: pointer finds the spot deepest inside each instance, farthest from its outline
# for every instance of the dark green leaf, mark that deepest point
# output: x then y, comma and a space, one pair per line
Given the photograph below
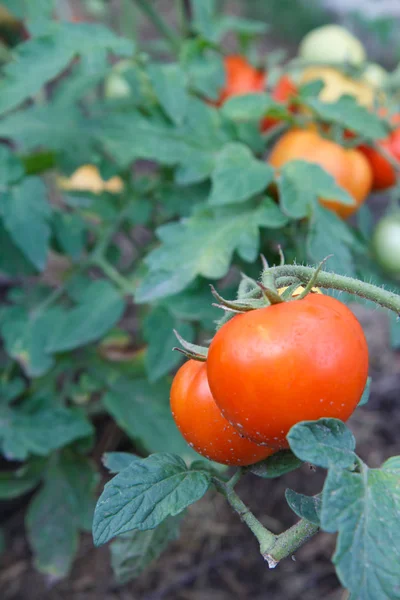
246, 27
61, 508
12, 260
100, 309
25, 337
16, 483
276, 465
350, 115
23, 9
329, 235
324, 443
142, 411
366, 392
204, 245
118, 461
41, 431
132, 552
238, 175
364, 508
205, 19
169, 83
158, 329
305, 507
25, 211
11, 168
301, 183
252, 107
40, 59
205, 69
70, 232
10, 390
145, 493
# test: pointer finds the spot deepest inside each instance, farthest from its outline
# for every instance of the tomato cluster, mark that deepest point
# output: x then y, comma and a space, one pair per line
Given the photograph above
267, 370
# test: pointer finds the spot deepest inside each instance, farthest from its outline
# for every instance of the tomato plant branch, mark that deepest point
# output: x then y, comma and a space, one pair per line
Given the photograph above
289, 541
159, 23
285, 273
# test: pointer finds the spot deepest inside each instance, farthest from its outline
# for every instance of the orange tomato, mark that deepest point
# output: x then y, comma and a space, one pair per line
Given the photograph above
273, 367
201, 423
349, 167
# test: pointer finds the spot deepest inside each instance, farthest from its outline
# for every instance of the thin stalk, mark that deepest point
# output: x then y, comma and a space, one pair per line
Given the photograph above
114, 276
289, 541
290, 273
169, 34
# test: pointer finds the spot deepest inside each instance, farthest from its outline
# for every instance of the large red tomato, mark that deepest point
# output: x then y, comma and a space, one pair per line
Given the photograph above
349, 167
201, 423
273, 367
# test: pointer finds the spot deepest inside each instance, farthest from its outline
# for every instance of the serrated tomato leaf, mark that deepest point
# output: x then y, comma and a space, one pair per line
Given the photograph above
118, 461
305, 507
364, 509
276, 465
132, 552
145, 493
325, 442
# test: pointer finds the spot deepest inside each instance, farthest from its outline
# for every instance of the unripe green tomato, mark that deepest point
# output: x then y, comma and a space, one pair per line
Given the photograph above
386, 244
332, 44
116, 87
375, 75
96, 8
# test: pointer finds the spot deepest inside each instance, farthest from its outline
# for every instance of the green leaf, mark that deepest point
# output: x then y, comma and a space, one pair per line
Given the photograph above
12, 260
252, 107
364, 508
205, 19
100, 309
23, 9
194, 305
204, 67
238, 175
132, 552
305, 507
25, 211
276, 465
204, 245
142, 411
10, 390
42, 58
40, 431
325, 442
17, 483
69, 229
26, 335
350, 115
169, 83
301, 183
11, 168
246, 27
192, 145
158, 329
62, 507
327, 235
118, 461
145, 493
366, 392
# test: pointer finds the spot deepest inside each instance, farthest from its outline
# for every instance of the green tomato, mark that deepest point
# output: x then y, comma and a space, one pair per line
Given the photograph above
332, 44
375, 75
386, 244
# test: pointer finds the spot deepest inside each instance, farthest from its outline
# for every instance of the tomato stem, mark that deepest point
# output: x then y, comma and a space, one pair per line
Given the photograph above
160, 24
289, 541
287, 274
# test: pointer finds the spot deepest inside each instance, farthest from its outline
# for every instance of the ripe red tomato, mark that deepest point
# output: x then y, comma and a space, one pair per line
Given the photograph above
384, 175
201, 423
273, 367
240, 78
348, 166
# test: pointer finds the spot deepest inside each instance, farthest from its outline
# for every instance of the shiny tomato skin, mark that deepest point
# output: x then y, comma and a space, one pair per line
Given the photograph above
349, 167
201, 423
273, 367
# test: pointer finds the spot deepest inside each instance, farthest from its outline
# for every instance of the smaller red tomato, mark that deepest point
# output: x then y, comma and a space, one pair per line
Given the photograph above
201, 423
240, 78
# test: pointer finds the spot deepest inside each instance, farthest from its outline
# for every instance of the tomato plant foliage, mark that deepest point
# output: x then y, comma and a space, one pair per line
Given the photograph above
96, 271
